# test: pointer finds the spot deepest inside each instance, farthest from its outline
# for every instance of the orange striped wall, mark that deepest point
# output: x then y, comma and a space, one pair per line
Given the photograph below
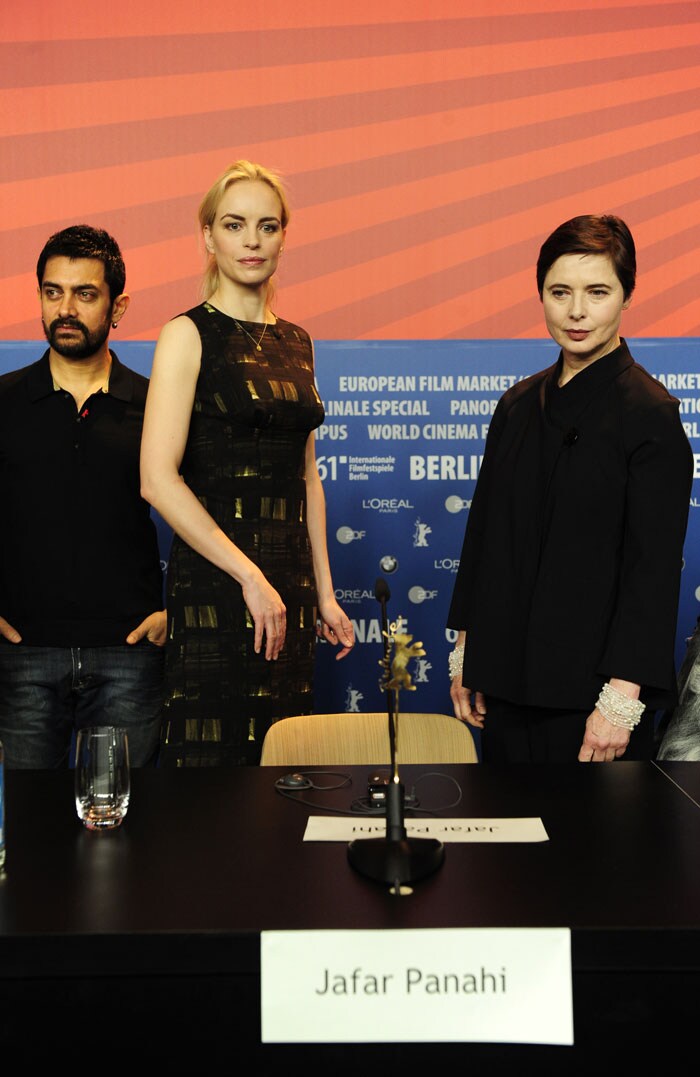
428, 151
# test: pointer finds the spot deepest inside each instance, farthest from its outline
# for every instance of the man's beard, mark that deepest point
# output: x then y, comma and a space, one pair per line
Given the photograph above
76, 347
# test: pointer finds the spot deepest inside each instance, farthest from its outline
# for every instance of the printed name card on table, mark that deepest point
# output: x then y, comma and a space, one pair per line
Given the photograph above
483, 985
331, 828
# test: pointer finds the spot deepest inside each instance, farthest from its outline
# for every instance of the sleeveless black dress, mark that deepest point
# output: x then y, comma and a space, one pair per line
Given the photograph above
245, 461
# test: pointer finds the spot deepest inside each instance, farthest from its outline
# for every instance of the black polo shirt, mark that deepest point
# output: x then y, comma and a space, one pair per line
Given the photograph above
79, 561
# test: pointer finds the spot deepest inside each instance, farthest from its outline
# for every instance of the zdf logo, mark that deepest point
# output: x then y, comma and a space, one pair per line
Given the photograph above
419, 594
456, 504
346, 535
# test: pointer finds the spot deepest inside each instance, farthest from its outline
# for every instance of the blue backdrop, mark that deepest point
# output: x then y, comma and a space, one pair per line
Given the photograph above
399, 454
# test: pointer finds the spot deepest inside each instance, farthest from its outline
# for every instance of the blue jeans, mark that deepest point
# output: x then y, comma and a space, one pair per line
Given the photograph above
681, 739
48, 693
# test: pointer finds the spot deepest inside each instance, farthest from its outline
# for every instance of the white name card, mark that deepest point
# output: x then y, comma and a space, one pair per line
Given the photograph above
483, 985
333, 828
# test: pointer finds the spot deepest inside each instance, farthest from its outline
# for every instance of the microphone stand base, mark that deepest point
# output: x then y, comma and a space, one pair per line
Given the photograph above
390, 861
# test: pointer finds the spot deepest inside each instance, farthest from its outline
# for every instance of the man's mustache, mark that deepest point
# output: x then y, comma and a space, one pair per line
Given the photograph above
66, 323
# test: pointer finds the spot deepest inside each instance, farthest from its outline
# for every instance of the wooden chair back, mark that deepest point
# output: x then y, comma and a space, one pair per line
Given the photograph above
347, 739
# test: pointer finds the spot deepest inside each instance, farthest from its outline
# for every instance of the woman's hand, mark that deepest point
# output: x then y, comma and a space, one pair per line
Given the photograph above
462, 701
335, 627
602, 742
269, 614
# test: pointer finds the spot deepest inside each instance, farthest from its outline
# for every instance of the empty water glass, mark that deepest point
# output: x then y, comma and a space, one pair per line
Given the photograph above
102, 777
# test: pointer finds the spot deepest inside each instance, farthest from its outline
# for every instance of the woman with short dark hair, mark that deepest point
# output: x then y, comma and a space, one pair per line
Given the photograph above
567, 594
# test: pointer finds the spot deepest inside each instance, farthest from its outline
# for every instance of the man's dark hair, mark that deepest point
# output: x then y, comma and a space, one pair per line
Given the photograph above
590, 234
83, 241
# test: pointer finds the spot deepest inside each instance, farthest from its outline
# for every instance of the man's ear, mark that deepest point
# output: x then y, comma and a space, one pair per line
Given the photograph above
119, 307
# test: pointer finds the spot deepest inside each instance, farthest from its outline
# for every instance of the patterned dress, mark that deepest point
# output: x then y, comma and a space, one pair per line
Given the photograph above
245, 461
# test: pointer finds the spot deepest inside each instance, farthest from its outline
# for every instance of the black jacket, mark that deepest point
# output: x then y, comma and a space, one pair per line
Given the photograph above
570, 570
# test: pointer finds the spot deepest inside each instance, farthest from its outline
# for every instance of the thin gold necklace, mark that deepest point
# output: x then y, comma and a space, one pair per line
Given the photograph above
250, 336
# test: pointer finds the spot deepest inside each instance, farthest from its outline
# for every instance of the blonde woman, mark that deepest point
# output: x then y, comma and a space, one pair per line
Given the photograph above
228, 461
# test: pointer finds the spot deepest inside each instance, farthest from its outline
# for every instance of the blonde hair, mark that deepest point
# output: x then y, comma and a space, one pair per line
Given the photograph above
240, 170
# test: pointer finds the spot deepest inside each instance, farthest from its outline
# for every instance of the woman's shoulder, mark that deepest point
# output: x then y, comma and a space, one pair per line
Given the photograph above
179, 341
295, 344
647, 411
526, 389
292, 330
195, 316
640, 392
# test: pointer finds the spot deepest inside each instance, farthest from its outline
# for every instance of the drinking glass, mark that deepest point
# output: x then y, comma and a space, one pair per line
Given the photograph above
102, 776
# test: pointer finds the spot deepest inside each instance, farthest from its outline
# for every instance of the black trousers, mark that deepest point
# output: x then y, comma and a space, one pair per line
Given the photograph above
520, 734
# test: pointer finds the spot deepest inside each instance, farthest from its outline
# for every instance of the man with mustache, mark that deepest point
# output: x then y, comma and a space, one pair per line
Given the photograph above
81, 624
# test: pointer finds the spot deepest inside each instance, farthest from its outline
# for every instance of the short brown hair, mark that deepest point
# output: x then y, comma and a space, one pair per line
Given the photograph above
591, 234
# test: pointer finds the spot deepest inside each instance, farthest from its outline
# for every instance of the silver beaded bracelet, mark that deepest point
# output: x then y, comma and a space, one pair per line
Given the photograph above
618, 708
455, 661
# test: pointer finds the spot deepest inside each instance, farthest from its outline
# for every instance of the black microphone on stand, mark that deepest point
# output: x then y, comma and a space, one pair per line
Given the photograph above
382, 595
395, 858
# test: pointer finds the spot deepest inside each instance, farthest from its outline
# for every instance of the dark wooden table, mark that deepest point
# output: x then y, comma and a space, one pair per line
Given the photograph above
154, 929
